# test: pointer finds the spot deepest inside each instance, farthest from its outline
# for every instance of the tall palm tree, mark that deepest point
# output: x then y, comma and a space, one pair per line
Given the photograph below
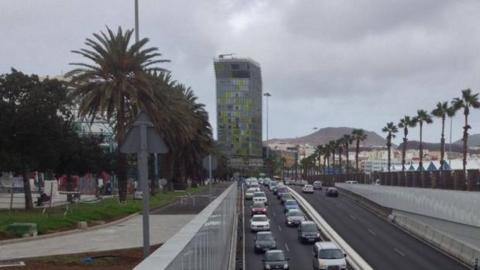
319, 152
115, 84
339, 147
466, 102
443, 111
359, 136
347, 140
405, 123
333, 148
390, 129
421, 118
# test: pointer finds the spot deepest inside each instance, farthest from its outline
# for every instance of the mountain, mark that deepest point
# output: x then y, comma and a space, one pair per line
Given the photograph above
324, 135
431, 146
473, 140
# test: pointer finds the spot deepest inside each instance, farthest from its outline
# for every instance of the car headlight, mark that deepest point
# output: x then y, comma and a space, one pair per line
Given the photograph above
322, 264
267, 266
318, 235
285, 266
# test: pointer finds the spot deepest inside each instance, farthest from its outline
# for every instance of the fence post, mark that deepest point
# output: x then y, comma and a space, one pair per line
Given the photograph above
11, 196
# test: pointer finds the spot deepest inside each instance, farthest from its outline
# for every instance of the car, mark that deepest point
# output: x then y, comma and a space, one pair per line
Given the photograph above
275, 259
301, 183
331, 192
264, 241
249, 193
266, 182
308, 232
294, 217
317, 185
287, 182
307, 189
260, 196
285, 197
258, 208
327, 255
352, 182
259, 223
290, 204
272, 185
281, 190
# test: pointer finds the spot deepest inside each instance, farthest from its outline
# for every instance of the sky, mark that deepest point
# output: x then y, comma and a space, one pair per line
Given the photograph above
354, 63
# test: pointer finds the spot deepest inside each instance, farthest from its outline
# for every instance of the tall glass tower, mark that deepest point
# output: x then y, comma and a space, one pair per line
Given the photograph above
239, 110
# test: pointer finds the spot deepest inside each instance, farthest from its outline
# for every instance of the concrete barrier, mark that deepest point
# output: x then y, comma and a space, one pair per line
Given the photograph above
353, 258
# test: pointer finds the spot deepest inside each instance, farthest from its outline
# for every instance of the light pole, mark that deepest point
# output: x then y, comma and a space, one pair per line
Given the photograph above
267, 95
136, 22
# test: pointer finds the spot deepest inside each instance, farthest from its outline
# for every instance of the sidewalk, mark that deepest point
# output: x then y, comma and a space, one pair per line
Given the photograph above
127, 234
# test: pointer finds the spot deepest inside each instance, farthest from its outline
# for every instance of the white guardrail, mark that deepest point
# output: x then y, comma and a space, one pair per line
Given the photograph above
357, 262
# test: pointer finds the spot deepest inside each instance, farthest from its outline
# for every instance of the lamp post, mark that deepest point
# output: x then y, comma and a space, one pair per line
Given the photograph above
136, 22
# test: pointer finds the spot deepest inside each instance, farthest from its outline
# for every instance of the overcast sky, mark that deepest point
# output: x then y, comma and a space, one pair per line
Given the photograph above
356, 63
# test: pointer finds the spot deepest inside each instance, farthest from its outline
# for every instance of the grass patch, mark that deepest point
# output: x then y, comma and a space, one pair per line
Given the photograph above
107, 210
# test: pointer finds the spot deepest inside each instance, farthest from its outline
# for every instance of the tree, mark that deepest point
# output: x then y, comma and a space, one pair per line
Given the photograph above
443, 111
359, 136
115, 84
405, 123
421, 118
347, 140
339, 147
390, 129
466, 102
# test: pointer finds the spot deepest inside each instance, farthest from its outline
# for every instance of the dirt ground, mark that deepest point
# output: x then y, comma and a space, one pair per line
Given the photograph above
105, 260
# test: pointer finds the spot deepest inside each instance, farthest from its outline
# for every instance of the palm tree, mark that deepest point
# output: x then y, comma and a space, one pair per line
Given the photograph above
359, 136
333, 148
422, 117
443, 111
115, 84
339, 147
319, 152
467, 101
347, 140
405, 123
390, 129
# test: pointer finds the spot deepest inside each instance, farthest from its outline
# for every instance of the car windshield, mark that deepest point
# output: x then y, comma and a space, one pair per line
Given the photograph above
258, 194
258, 205
291, 202
275, 256
259, 218
294, 213
309, 227
330, 254
264, 237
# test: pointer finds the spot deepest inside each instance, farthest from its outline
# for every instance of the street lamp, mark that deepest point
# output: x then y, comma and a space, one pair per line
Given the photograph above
137, 36
267, 95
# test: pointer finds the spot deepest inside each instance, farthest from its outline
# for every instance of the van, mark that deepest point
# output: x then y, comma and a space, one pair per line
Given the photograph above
328, 256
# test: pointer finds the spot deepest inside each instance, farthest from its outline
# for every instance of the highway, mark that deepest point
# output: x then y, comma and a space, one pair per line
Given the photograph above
300, 254
380, 243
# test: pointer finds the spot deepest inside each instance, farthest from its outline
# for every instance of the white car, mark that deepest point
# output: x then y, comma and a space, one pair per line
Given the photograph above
307, 189
352, 182
249, 193
327, 255
259, 223
260, 197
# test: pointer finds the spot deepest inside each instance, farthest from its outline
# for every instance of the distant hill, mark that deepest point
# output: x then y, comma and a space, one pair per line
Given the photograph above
432, 146
473, 140
324, 135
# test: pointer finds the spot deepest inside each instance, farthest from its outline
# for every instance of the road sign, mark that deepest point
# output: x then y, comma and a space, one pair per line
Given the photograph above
143, 139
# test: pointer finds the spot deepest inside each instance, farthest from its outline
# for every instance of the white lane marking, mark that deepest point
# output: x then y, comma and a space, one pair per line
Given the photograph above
286, 247
279, 228
371, 232
399, 252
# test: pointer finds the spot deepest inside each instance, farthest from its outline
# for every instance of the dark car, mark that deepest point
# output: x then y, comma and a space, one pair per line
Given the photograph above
294, 217
332, 192
264, 241
290, 204
308, 232
285, 197
317, 185
258, 208
281, 190
275, 259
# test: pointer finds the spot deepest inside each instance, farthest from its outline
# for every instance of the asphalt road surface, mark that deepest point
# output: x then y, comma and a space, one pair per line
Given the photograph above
300, 254
380, 243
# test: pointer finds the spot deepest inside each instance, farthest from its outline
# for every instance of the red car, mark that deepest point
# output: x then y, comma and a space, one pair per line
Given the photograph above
259, 208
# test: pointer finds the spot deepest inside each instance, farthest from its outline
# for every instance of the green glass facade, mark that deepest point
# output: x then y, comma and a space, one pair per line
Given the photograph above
239, 107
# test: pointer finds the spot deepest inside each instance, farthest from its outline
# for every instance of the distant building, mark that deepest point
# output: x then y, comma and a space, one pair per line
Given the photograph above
378, 165
239, 110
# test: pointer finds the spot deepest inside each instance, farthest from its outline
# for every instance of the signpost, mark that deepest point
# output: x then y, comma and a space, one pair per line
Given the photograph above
142, 139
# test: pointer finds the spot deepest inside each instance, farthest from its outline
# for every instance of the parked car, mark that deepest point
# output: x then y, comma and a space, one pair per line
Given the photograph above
258, 208
259, 223
307, 189
308, 232
332, 192
327, 255
249, 193
317, 185
290, 204
275, 259
264, 241
260, 196
294, 217
285, 197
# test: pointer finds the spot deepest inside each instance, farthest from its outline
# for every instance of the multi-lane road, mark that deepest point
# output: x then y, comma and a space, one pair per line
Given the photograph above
380, 243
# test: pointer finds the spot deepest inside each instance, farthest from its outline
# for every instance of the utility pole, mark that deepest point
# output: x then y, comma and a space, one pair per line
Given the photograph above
137, 36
